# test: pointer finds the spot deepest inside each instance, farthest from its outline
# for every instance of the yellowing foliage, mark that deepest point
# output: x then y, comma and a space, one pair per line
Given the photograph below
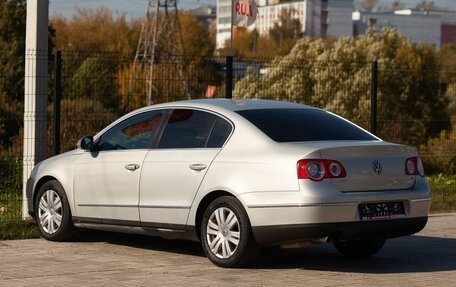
337, 76
95, 30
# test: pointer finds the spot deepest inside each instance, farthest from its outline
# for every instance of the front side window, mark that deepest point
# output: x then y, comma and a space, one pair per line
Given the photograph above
136, 132
194, 129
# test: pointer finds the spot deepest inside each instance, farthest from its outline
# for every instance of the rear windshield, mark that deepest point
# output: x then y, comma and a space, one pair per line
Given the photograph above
297, 125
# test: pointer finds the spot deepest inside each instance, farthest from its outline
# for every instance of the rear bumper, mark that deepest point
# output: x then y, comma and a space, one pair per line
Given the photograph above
357, 230
317, 212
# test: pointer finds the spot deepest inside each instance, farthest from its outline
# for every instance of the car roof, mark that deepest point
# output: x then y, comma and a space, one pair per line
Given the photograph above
226, 107
235, 104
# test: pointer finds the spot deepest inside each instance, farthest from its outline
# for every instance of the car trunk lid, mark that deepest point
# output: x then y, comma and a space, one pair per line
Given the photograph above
370, 166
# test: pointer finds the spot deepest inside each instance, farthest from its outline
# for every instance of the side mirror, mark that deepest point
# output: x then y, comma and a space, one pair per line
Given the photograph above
85, 143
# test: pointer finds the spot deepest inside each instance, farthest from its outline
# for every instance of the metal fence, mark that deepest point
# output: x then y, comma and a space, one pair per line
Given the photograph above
89, 90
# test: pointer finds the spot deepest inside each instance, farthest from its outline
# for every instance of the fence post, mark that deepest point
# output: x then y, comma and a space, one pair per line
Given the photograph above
229, 77
57, 99
374, 83
35, 91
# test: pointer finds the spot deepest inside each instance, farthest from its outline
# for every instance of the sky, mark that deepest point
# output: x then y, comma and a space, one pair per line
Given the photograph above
137, 8
131, 8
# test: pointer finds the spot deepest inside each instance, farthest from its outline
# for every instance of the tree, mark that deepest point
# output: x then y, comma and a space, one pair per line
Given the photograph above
107, 78
429, 6
365, 5
12, 68
447, 56
336, 76
197, 40
81, 117
441, 150
95, 31
95, 80
12, 47
245, 41
395, 5
175, 76
250, 44
279, 41
285, 32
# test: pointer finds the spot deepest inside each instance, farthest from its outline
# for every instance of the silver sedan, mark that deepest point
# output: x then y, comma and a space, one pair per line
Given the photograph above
236, 175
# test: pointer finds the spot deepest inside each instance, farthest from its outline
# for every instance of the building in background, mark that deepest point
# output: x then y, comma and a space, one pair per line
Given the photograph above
269, 13
436, 28
319, 18
223, 22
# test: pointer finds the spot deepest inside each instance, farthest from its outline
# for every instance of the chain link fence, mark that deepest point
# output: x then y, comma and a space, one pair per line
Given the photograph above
415, 107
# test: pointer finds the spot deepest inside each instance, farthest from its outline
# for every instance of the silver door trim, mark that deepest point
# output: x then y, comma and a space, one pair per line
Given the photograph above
140, 206
165, 206
106, 205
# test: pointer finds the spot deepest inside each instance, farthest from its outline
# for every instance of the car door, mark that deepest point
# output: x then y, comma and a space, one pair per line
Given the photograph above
106, 182
173, 171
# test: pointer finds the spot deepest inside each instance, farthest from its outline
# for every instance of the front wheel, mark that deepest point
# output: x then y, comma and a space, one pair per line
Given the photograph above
226, 234
359, 248
53, 214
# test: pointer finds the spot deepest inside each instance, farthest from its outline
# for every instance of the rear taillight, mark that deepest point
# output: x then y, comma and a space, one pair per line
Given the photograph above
414, 166
319, 169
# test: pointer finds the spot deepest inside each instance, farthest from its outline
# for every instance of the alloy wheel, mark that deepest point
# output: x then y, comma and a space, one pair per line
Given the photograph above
223, 232
50, 211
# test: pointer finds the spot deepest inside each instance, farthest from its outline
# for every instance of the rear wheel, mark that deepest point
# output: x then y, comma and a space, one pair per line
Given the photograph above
53, 214
226, 234
359, 248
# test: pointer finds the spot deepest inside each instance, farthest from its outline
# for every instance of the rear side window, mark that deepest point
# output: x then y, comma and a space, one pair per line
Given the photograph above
194, 129
296, 125
221, 131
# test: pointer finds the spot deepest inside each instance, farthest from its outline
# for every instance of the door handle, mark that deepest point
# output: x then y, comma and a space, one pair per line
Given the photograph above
132, 167
198, 166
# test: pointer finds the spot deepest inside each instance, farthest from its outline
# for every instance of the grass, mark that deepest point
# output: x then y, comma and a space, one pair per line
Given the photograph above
11, 224
13, 227
443, 193
10, 206
18, 229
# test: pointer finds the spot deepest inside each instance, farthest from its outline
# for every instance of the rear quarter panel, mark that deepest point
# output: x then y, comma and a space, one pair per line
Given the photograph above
250, 163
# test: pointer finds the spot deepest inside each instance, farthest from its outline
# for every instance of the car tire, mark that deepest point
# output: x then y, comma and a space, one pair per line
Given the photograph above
359, 248
226, 234
52, 212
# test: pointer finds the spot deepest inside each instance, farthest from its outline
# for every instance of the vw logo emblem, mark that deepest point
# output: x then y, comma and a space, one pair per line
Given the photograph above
377, 166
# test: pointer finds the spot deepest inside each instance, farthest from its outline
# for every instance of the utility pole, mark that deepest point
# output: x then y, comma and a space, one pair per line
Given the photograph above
161, 37
35, 90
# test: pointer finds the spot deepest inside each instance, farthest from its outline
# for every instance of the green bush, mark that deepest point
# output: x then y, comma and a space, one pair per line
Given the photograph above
439, 154
11, 181
10, 172
336, 76
18, 229
443, 193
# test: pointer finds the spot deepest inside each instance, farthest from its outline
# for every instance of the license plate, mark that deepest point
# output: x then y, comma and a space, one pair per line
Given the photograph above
383, 210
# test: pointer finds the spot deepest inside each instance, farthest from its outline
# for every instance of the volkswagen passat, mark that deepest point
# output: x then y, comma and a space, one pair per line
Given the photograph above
236, 175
